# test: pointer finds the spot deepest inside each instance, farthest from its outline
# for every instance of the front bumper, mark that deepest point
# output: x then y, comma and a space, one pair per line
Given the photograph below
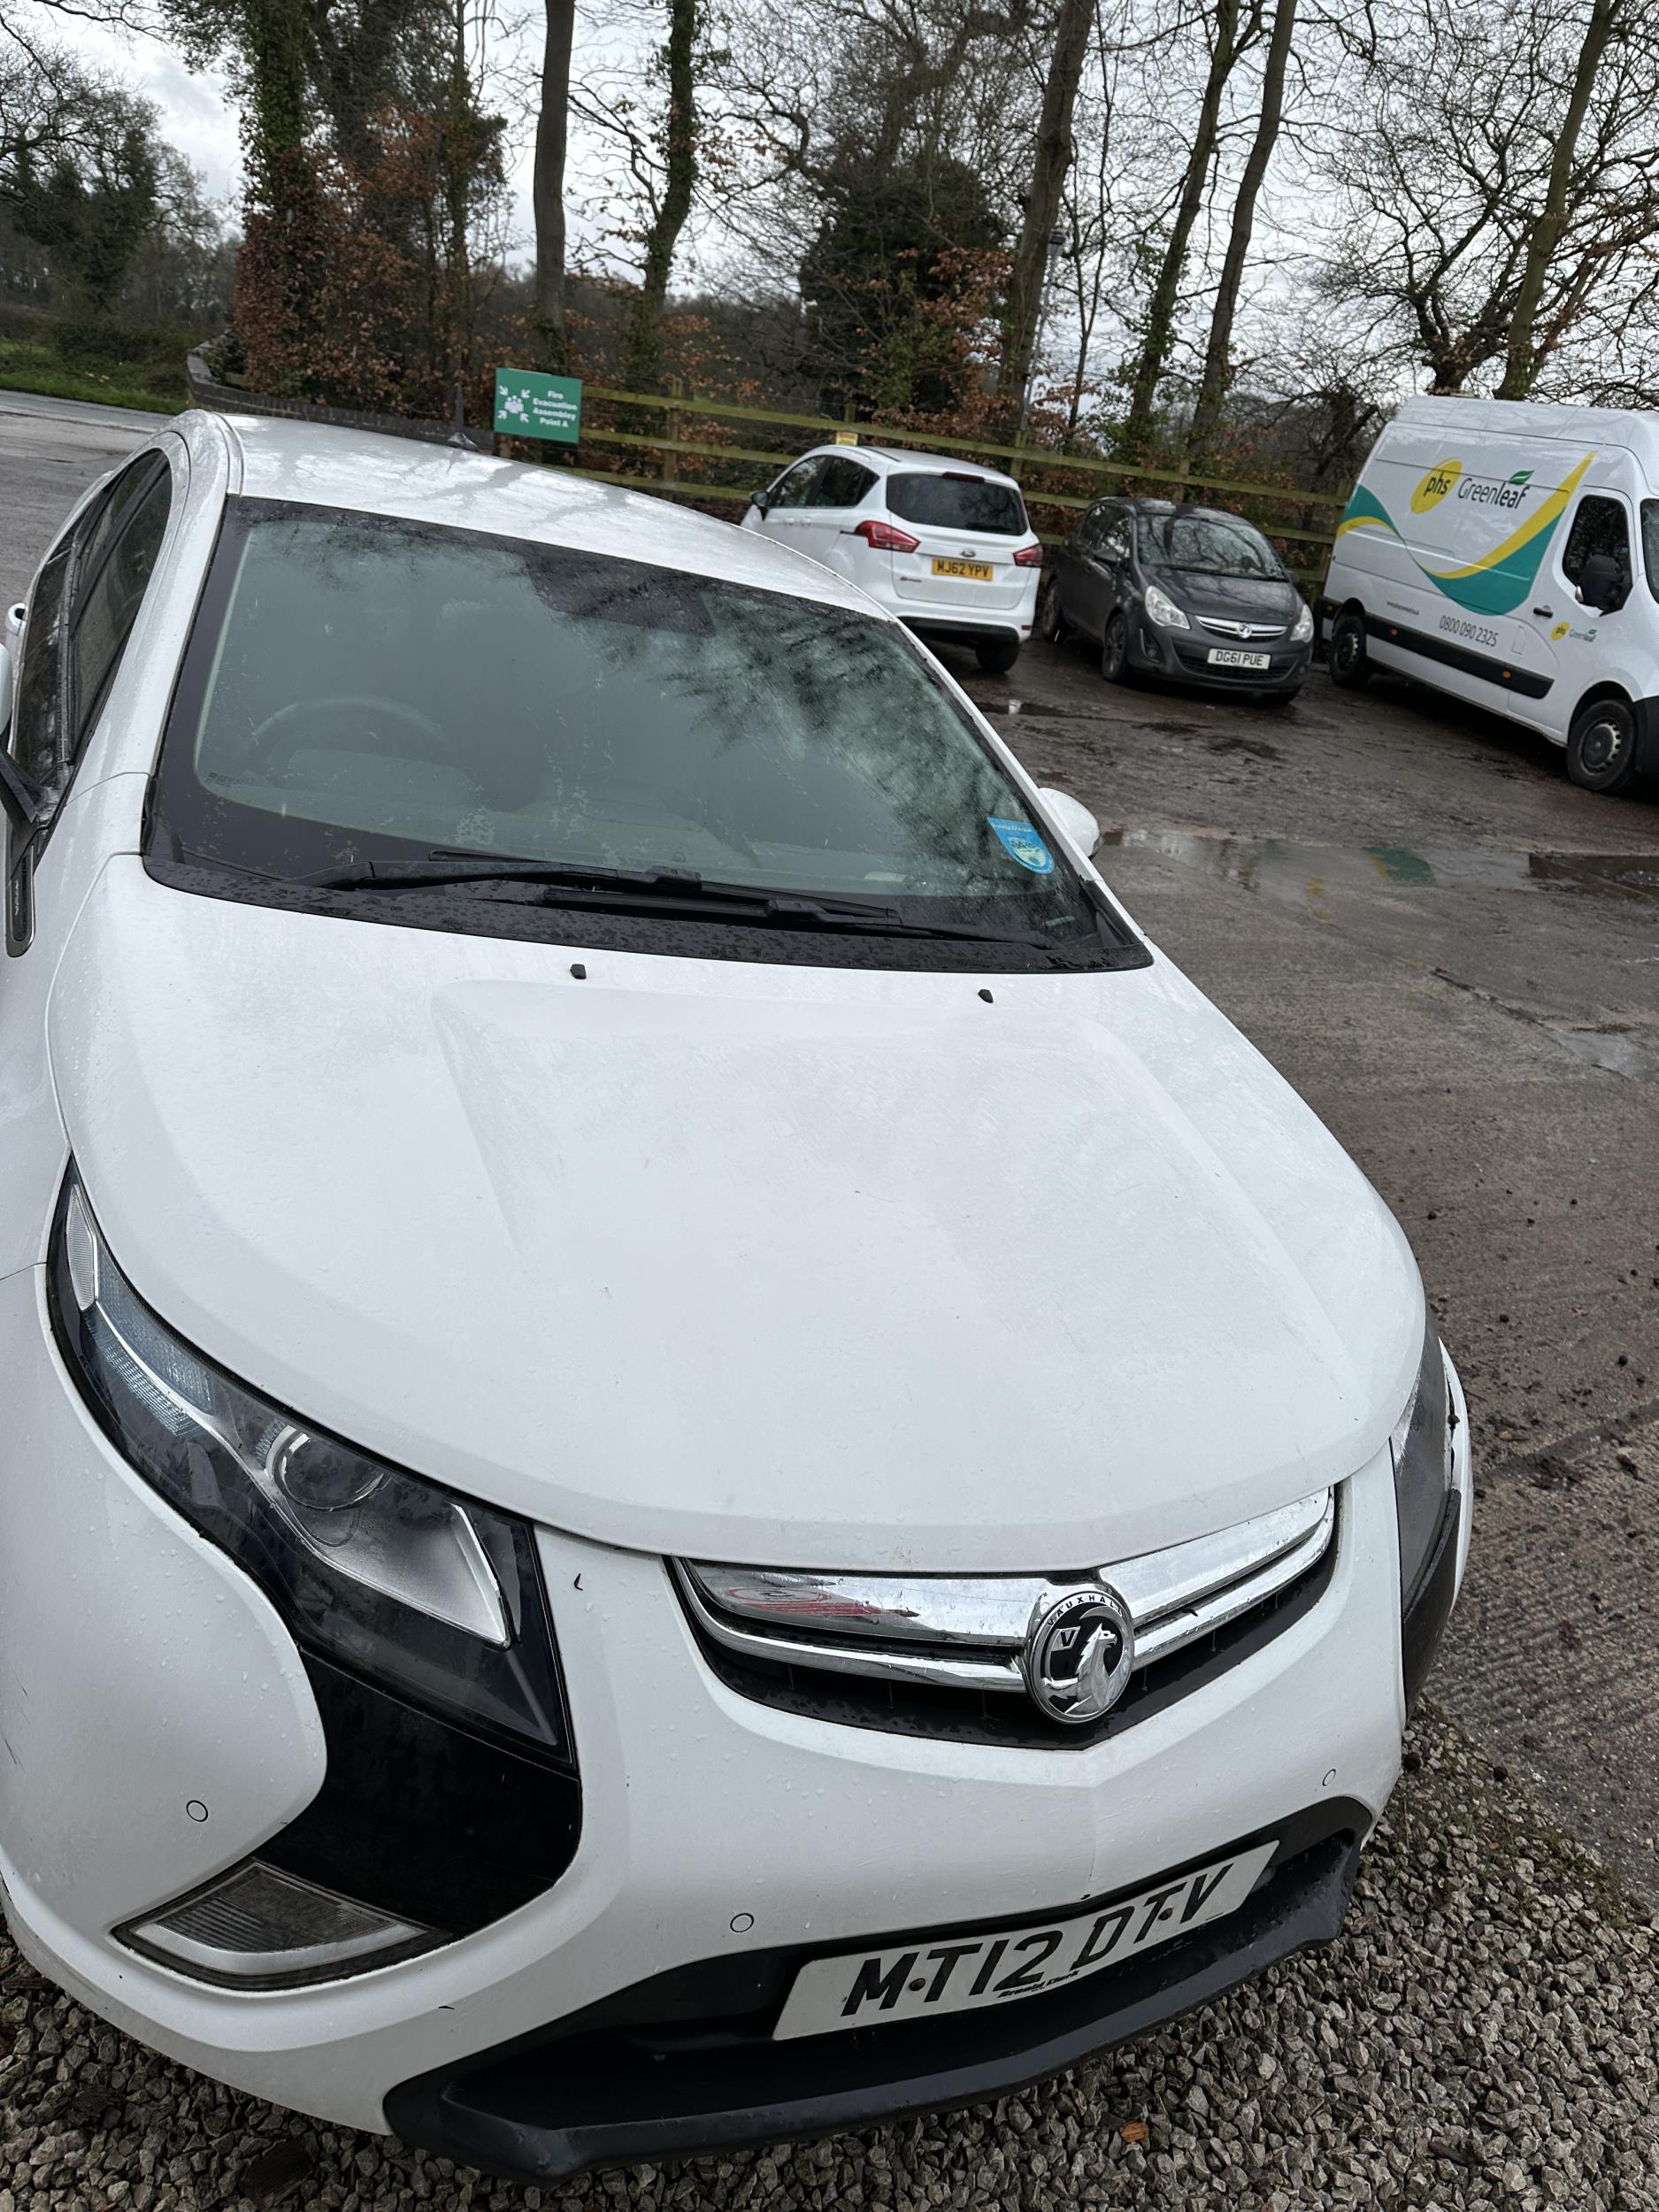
143, 1680
686, 2062
1182, 656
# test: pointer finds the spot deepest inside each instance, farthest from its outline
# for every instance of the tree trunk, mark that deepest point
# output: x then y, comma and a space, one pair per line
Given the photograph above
1053, 159
552, 132
460, 168
1521, 367
1160, 316
1212, 390
644, 366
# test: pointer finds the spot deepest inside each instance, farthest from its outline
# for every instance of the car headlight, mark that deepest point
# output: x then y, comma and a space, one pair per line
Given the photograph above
1163, 610
1421, 1446
1303, 629
390, 1574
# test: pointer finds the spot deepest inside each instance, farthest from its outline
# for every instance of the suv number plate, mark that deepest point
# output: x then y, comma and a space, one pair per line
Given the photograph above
959, 1972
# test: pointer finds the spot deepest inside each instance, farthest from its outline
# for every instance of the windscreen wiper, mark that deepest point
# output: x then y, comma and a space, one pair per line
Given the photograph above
681, 891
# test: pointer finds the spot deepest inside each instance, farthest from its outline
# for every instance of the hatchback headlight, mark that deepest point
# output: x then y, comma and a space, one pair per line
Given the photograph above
1421, 1446
1163, 610
1303, 629
390, 1574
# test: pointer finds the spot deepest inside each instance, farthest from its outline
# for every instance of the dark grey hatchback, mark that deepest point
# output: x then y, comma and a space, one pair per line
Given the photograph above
1189, 593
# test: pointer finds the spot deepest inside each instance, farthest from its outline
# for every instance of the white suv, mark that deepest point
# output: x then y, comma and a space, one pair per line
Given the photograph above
946, 547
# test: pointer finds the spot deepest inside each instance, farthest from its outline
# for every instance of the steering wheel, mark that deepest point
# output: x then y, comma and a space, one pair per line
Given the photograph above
440, 745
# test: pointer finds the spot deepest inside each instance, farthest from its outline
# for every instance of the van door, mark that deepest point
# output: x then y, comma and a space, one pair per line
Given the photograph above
1568, 643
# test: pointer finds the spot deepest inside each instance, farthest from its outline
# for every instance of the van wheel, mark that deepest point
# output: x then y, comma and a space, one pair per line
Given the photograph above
1051, 623
1601, 746
1114, 652
1345, 656
997, 656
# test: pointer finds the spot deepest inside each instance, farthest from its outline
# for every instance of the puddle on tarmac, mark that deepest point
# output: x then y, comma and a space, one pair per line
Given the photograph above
1037, 709
1621, 1051
1306, 874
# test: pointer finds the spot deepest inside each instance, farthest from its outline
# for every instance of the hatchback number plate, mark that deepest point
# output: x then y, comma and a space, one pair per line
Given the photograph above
1229, 656
958, 1973
980, 571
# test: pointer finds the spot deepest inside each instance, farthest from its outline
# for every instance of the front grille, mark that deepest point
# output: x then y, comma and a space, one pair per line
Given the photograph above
972, 1690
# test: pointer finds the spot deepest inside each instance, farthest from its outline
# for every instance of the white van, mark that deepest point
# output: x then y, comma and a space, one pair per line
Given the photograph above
1507, 552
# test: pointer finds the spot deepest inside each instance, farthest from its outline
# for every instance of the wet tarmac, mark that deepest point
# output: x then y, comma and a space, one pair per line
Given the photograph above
1309, 873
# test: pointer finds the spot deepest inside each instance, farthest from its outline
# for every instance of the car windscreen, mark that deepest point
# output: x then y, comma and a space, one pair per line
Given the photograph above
1207, 545
365, 688
958, 503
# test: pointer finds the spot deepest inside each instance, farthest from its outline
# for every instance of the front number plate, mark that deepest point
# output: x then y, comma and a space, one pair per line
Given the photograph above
982, 572
958, 1973
1227, 656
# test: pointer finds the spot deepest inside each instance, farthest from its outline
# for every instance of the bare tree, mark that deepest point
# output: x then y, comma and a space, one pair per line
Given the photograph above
1461, 203
1052, 161
1544, 240
547, 194
1212, 388
1232, 28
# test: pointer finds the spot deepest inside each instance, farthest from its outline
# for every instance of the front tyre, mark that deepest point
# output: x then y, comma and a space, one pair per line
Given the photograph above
1114, 652
1601, 746
1345, 656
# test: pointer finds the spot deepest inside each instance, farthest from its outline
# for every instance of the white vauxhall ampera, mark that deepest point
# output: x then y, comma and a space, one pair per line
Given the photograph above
687, 1453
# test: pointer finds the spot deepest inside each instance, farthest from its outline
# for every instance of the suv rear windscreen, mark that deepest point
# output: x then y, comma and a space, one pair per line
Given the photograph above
959, 502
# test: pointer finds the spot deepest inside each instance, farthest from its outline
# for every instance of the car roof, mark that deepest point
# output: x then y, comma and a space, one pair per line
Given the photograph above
373, 472
1178, 507
890, 458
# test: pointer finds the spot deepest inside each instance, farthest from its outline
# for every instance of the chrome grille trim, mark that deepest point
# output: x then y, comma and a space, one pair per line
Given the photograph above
1249, 631
969, 1632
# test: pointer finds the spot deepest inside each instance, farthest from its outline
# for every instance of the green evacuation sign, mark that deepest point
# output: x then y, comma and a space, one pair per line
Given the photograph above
530, 405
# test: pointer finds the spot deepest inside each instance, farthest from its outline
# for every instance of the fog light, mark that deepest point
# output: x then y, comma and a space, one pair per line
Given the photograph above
259, 1928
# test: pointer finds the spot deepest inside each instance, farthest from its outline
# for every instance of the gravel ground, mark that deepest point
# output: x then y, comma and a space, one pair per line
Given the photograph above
1485, 2034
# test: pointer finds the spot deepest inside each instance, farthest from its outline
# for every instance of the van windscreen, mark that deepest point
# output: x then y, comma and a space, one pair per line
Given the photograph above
958, 503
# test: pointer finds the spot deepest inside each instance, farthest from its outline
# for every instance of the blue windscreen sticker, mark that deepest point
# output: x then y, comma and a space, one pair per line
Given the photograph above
1022, 843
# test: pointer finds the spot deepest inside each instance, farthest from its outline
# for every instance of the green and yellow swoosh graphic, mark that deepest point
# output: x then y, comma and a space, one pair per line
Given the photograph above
1499, 581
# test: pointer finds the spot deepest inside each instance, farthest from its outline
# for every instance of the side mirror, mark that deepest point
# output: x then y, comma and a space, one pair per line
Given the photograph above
1074, 819
759, 502
5, 689
1604, 584
14, 627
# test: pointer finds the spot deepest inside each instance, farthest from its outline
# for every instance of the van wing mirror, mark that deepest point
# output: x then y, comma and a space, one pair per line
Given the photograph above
1603, 583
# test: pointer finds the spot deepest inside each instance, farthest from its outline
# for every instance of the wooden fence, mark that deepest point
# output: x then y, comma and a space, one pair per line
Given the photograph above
1057, 484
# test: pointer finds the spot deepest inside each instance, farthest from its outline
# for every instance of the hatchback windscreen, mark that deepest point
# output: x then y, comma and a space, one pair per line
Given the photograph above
959, 502
369, 696
1207, 545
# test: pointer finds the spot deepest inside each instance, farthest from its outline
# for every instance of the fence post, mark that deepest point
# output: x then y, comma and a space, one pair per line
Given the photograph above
672, 420
1019, 461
